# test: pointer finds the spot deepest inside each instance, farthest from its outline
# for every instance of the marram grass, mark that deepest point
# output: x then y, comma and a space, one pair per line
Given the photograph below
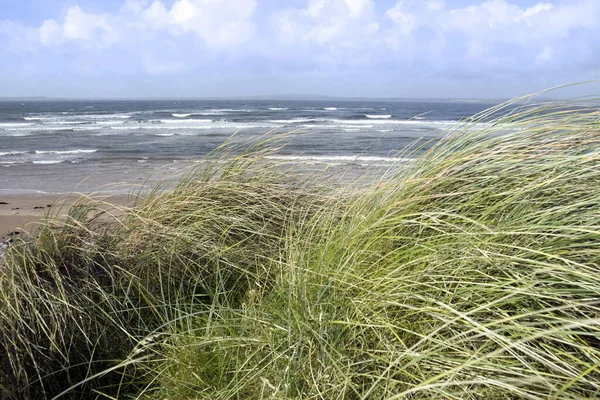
470, 273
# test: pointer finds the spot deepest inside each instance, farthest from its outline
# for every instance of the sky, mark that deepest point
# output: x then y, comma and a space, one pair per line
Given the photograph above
348, 48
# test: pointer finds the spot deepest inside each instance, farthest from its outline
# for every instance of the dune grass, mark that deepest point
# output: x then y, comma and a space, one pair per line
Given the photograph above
471, 272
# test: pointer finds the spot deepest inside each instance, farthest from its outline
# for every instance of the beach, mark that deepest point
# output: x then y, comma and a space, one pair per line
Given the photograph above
22, 213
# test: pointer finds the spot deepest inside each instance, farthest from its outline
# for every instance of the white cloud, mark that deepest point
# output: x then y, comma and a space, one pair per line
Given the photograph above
219, 23
357, 7
492, 31
333, 38
405, 21
536, 9
157, 15
133, 6
50, 32
546, 55
347, 23
493, 20
80, 25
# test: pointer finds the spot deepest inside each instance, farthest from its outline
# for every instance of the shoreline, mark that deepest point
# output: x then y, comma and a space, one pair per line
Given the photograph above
21, 211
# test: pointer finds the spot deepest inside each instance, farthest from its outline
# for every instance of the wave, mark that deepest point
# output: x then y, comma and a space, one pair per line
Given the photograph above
103, 116
12, 153
292, 121
378, 116
44, 156
31, 131
363, 160
182, 115
184, 125
416, 124
278, 108
330, 108
48, 161
221, 111
74, 123
77, 151
179, 121
15, 124
76, 117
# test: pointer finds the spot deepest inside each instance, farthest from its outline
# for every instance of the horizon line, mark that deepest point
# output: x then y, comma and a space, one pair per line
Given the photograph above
281, 97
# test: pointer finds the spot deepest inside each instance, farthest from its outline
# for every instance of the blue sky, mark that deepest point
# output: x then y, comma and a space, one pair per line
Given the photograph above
371, 48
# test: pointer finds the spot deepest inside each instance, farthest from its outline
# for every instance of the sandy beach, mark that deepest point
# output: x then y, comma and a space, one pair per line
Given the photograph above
22, 213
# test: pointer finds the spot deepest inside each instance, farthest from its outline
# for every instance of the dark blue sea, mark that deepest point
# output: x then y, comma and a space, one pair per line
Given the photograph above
60, 146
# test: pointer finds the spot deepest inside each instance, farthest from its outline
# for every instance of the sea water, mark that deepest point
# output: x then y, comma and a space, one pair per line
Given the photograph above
63, 145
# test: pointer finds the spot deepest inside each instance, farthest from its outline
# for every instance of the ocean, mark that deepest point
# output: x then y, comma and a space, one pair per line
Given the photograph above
64, 146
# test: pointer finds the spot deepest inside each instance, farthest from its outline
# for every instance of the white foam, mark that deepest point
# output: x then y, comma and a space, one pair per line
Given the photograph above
77, 151
383, 121
278, 108
22, 191
190, 124
15, 124
330, 108
108, 123
378, 116
72, 123
12, 153
15, 134
83, 117
42, 118
292, 121
327, 159
78, 129
60, 128
221, 111
98, 116
181, 115
188, 121
47, 161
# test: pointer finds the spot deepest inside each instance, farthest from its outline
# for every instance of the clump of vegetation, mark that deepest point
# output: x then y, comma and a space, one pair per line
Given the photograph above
471, 272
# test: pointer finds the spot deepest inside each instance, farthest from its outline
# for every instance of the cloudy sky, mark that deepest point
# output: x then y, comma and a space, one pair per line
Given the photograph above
371, 48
